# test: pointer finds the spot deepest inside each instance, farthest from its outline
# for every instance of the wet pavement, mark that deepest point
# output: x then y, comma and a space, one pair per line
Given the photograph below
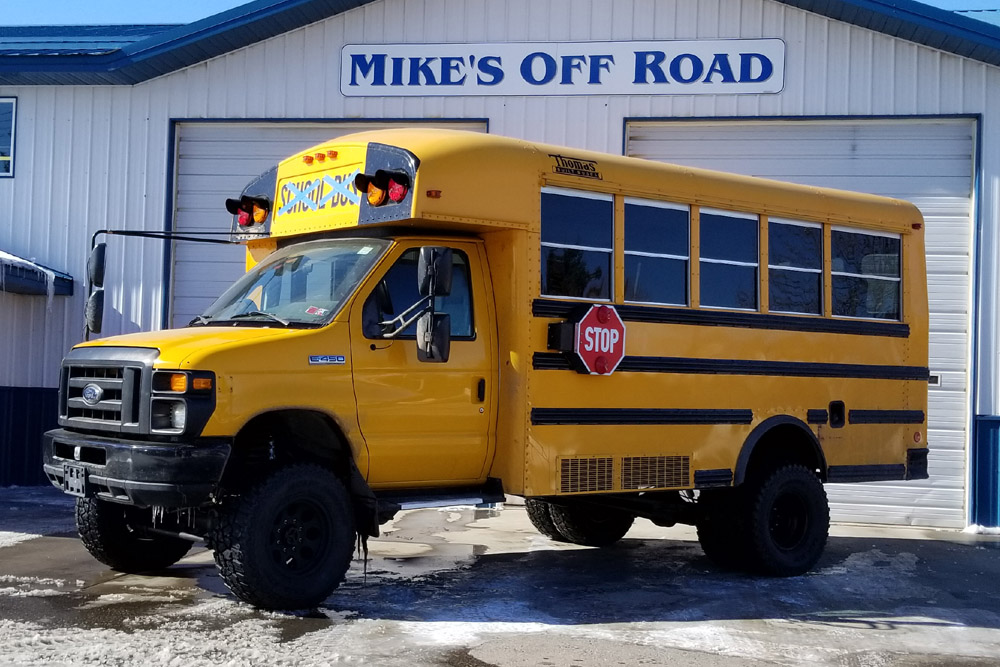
467, 588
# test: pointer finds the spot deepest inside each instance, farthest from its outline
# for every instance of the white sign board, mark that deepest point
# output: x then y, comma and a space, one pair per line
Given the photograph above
696, 67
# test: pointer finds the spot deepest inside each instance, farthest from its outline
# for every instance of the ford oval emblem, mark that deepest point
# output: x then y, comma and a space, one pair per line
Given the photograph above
93, 394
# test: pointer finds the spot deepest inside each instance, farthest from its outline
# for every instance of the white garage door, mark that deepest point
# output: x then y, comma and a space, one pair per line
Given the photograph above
926, 161
216, 161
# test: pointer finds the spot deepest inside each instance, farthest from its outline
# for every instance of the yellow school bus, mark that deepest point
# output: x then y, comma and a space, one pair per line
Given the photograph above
435, 316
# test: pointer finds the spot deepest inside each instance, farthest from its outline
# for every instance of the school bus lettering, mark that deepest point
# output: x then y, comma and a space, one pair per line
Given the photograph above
777, 340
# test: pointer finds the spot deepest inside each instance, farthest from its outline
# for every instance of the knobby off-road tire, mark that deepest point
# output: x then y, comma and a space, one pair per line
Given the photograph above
114, 535
722, 529
541, 518
287, 542
590, 526
788, 523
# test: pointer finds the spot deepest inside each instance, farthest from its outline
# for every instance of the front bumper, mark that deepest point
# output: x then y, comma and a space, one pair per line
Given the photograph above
137, 472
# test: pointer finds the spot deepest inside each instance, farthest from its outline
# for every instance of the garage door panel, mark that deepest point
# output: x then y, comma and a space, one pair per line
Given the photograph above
926, 161
215, 161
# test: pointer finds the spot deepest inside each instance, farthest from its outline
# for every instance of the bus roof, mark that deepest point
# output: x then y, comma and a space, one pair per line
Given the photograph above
474, 181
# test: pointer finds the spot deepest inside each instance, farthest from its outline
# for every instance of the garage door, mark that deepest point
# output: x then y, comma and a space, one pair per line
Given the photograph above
926, 161
216, 161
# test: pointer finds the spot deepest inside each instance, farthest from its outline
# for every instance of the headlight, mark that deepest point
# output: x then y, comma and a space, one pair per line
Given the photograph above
168, 415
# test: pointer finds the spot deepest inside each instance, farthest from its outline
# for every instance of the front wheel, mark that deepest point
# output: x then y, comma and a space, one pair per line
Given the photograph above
116, 535
287, 542
589, 525
789, 521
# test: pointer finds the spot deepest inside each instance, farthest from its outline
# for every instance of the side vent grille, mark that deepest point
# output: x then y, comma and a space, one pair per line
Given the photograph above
577, 475
655, 472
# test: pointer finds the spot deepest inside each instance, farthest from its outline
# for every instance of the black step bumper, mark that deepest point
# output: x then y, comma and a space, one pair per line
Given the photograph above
138, 472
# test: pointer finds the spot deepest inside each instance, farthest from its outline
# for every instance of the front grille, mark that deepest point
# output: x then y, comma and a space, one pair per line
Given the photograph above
118, 402
655, 472
592, 474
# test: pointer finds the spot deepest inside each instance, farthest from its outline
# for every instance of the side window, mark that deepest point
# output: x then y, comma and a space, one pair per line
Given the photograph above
795, 267
657, 252
728, 259
577, 234
866, 274
7, 109
397, 291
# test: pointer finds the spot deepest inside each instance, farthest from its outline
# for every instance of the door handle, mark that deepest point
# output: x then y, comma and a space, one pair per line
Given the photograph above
481, 389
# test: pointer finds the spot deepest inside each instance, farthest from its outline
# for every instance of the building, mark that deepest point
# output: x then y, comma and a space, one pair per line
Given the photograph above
152, 127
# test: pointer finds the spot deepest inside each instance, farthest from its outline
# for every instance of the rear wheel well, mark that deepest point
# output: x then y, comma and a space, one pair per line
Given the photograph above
777, 442
280, 438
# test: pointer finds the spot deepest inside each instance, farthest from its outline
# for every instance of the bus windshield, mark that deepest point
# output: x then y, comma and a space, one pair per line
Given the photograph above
303, 285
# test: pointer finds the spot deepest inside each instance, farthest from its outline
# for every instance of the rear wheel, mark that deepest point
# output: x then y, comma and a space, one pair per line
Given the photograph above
541, 518
589, 525
287, 542
789, 521
116, 535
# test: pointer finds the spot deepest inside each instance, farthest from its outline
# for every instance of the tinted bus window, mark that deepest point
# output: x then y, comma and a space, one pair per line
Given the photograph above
728, 259
657, 243
866, 274
795, 267
577, 238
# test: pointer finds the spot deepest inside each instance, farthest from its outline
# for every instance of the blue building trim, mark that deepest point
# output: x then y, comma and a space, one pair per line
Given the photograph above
168, 223
985, 464
25, 414
124, 59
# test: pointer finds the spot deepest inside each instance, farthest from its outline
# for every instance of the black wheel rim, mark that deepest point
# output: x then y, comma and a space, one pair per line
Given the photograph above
788, 522
300, 536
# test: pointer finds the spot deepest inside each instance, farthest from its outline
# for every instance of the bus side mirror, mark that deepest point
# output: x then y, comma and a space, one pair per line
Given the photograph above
434, 337
94, 311
434, 271
95, 265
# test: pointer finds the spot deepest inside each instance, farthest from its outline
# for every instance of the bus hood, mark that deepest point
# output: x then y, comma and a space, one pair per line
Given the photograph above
176, 345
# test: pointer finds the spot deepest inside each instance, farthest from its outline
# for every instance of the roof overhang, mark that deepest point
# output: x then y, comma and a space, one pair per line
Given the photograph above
22, 276
127, 60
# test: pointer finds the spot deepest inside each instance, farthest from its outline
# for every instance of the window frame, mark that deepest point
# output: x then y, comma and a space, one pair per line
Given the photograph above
653, 203
13, 134
822, 273
732, 214
583, 194
898, 279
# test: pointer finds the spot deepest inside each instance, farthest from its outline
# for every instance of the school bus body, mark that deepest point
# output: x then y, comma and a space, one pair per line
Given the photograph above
707, 399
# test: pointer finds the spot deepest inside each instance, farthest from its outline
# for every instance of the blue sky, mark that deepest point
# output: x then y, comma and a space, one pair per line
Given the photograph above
107, 12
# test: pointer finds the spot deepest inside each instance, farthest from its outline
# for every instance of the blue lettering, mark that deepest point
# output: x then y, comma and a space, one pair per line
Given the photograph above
649, 61
746, 67
397, 71
490, 66
422, 67
720, 65
697, 67
598, 63
571, 64
550, 68
451, 65
365, 67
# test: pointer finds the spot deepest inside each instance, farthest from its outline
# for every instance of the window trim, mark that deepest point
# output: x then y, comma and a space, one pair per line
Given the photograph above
672, 206
582, 194
772, 267
899, 279
13, 134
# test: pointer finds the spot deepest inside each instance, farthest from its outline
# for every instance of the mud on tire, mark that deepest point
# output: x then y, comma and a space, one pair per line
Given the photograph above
590, 525
287, 542
541, 518
788, 522
114, 535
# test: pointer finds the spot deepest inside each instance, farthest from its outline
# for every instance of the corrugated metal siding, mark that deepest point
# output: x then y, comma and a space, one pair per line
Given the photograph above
215, 161
928, 162
95, 157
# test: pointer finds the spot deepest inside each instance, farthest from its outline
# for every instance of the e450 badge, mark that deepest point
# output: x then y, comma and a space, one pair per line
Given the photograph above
327, 360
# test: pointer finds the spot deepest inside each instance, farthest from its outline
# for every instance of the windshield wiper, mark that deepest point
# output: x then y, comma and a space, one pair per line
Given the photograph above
198, 320
260, 313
